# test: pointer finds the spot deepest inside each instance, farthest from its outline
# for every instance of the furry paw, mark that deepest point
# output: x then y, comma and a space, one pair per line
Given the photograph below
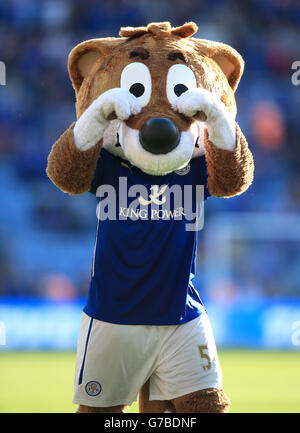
91, 125
119, 101
192, 101
219, 122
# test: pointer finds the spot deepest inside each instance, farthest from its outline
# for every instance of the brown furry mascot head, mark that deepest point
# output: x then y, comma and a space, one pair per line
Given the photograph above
159, 94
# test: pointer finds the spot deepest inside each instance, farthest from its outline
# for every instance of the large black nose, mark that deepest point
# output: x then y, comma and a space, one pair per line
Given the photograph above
159, 135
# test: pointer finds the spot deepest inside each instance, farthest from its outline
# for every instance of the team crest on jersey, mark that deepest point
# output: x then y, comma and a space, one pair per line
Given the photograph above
93, 388
184, 170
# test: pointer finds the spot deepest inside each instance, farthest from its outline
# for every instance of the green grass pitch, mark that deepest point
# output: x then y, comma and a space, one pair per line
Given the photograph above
255, 381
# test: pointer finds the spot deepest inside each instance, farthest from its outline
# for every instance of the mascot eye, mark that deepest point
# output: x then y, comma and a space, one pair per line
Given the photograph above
137, 89
179, 89
136, 78
180, 78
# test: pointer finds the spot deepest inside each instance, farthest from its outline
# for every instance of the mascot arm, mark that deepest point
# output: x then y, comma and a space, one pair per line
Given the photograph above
230, 172
114, 103
229, 161
69, 168
73, 158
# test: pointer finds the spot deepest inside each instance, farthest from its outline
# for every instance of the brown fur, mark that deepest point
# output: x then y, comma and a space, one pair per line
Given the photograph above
205, 401
160, 29
106, 71
237, 167
70, 169
208, 400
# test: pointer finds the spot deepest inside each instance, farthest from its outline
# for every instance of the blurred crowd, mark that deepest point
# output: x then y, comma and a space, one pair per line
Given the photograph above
45, 236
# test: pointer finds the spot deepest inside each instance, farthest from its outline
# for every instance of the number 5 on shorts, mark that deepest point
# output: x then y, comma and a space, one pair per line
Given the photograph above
205, 356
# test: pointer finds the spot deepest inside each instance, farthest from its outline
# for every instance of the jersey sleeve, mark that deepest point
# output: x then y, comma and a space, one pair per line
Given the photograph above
202, 175
98, 176
205, 179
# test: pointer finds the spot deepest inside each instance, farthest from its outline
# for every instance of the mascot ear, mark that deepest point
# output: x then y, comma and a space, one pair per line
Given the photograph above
231, 63
84, 56
227, 58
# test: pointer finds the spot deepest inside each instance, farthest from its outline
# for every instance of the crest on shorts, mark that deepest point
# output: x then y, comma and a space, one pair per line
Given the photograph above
93, 388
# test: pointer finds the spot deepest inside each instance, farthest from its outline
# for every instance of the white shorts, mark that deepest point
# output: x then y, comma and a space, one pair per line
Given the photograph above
114, 361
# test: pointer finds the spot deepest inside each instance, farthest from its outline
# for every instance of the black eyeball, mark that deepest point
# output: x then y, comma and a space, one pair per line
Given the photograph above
179, 89
137, 89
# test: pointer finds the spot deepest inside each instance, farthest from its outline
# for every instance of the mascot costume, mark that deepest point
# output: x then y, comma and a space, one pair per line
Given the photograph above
155, 119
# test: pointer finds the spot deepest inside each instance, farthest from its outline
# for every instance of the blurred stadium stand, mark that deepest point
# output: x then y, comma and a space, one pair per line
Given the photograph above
47, 237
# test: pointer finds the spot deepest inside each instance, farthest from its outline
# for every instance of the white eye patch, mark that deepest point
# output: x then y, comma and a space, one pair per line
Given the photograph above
136, 78
180, 78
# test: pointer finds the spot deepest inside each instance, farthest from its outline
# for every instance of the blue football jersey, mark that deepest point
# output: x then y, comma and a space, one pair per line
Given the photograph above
144, 255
